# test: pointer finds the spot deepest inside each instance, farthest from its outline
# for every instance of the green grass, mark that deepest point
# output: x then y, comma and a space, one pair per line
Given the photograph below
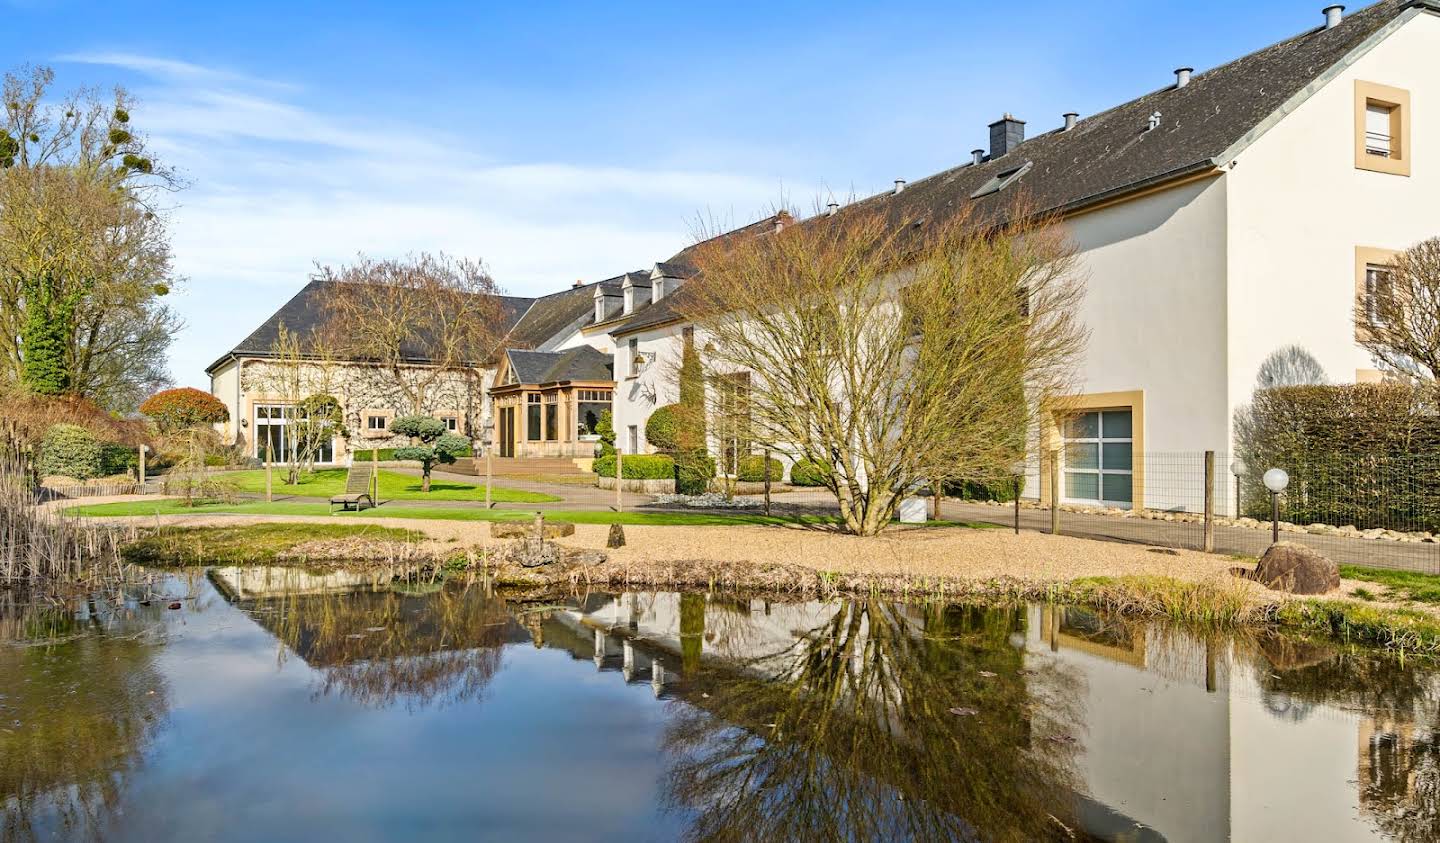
663, 519
329, 482
1402, 585
250, 544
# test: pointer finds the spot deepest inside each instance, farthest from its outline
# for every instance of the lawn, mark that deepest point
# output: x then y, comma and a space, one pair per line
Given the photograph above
328, 482
688, 519
252, 544
1400, 585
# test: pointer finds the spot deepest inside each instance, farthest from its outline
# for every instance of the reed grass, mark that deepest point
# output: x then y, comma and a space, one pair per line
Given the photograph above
44, 548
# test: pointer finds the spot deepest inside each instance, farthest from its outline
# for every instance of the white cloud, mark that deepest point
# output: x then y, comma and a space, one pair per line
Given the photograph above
277, 185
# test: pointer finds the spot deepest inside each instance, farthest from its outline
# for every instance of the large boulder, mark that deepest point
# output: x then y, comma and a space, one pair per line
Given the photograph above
526, 529
1295, 568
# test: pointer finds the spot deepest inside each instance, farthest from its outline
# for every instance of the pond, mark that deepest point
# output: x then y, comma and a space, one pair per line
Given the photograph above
278, 705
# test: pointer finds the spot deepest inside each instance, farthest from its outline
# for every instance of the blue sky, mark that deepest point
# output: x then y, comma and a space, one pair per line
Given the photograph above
559, 141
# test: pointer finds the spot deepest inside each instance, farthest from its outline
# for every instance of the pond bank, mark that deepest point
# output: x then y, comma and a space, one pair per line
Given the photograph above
915, 563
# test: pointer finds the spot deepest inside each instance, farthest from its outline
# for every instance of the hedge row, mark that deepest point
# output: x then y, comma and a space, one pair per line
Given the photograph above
807, 473
638, 467
1361, 454
752, 469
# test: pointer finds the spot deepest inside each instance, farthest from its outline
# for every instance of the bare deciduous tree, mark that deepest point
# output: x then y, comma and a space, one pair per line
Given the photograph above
1398, 318
892, 352
301, 374
416, 319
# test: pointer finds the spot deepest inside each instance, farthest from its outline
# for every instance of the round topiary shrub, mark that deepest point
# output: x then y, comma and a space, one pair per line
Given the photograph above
807, 473
71, 451
178, 409
752, 469
662, 429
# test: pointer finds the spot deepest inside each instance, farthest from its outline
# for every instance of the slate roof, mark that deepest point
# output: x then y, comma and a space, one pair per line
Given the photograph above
1114, 153
582, 363
549, 315
304, 313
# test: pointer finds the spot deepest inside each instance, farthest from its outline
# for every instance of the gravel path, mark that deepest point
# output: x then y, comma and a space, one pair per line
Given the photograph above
944, 551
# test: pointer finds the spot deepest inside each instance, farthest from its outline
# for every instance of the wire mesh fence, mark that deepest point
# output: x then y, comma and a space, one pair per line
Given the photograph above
1372, 513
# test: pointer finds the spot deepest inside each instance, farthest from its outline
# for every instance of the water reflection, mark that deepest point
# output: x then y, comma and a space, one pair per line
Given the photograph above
80, 700
708, 717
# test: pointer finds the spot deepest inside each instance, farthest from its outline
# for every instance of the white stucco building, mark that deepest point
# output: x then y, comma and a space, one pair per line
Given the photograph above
1220, 218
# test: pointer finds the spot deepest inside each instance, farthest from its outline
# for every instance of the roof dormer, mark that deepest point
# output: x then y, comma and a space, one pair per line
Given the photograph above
636, 290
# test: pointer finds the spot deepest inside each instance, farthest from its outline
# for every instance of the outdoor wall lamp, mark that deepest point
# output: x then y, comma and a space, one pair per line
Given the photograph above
1017, 470
1237, 468
1275, 480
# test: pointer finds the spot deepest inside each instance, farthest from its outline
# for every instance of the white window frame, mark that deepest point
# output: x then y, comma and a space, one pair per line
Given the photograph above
287, 412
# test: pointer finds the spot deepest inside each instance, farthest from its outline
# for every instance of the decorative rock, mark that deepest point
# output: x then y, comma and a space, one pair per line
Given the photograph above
617, 536
1296, 569
526, 529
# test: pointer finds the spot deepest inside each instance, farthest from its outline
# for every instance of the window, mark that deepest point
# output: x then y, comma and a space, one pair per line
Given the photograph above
1382, 129
532, 416
1002, 180
1098, 458
634, 439
634, 353
1373, 286
1379, 133
379, 423
277, 441
552, 416
1377, 292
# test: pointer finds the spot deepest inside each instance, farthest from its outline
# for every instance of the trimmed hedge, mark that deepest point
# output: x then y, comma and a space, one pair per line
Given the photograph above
662, 429
807, 473
752, 469
1361, 454
971, 490
71, 451
693, 474
118, 459
638, 467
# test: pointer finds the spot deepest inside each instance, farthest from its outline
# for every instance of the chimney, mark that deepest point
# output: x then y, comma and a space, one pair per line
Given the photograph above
1333, 15
1006, 134
1182, 76
578, 283
977, 156
1071, 117
832, 209
779, 224
899, 185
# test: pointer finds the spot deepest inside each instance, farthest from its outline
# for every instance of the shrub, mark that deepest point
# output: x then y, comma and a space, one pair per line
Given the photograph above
973, 490
118, 459
807, 473
605, 429
693, 473
752, 469
662, 429
71, 451
178, 409
638, 467
1361, 454
33, 415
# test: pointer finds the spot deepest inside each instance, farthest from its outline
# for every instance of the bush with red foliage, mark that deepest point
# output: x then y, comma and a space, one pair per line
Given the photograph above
179, 409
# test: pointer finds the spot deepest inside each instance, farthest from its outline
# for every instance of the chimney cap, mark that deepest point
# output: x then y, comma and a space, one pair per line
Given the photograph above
1334, 15
1071, 118
1008, 118
832, 209
578, 283
899, 185
1182, 76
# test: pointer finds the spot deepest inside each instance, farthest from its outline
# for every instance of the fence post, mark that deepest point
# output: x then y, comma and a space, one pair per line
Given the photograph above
489, 474
1054, 491
269, 468
143, 449
1209, 501
374, 477
767, 482
619, 477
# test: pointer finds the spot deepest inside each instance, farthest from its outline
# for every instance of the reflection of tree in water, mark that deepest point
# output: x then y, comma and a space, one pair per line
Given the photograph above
887, 725
76, 716
1399, 764
380, 648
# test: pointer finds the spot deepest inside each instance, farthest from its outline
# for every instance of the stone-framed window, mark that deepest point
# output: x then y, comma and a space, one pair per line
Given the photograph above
1382, 129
